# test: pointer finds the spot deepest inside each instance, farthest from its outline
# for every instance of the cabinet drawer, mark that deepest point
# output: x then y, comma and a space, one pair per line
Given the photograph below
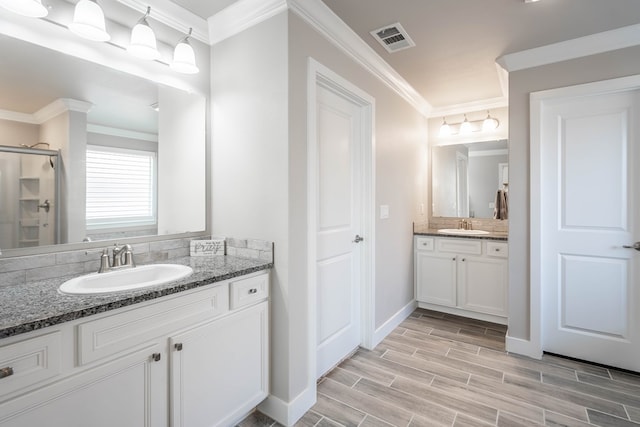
248, 291
460, 246
28, 362
425, 243
138, 327
497, 249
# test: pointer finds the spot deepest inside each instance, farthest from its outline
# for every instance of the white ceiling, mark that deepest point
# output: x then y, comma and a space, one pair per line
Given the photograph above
458, 41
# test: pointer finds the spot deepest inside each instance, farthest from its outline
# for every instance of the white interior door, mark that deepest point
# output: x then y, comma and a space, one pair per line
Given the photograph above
339, 206
589, 181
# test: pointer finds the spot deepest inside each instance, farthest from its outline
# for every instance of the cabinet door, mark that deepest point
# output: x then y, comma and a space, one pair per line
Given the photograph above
131, 391
219, 371
436, 278
483, 284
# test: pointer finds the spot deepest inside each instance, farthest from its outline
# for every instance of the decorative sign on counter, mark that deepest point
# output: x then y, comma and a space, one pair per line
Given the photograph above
211, 247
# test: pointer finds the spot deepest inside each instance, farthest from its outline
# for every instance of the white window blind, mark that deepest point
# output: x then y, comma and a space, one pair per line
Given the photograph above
121, 187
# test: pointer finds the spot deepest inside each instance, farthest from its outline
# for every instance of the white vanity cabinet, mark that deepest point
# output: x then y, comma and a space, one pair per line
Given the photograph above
187, 359
467, 277
219, 370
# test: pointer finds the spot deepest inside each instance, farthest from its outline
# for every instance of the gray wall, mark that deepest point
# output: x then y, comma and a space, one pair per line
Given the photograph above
259, 86
619, 63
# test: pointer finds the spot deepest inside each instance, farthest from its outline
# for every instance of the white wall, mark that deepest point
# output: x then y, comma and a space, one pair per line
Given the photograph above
259, 103
619, 63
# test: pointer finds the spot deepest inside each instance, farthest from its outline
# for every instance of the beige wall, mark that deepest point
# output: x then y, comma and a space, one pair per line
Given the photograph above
605, 66
259, 104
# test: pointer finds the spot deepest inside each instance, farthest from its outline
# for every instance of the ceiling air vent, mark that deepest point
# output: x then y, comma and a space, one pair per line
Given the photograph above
393, 37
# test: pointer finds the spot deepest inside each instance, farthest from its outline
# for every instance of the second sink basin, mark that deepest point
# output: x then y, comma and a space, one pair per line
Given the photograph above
463, 232
125, 279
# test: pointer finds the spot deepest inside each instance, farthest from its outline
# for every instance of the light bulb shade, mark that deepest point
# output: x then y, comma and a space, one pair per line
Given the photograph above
184, 59
88, 21
143, 42
465, 127
489, 124
445, 129
30, 8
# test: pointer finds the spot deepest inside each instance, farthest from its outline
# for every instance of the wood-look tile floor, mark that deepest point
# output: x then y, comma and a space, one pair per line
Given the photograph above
441, 370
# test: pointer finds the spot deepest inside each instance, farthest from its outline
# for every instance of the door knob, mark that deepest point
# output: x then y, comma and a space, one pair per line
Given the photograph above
358, 239
635, 246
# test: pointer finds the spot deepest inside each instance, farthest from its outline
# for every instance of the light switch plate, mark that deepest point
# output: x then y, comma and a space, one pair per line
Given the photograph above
384, 211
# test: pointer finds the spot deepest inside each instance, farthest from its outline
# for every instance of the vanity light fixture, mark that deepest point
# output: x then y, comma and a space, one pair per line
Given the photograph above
184, 59
468, 126
30, 8
143, 40
88, 21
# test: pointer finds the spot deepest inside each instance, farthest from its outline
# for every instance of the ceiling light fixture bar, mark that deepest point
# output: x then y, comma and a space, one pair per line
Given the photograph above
467, 127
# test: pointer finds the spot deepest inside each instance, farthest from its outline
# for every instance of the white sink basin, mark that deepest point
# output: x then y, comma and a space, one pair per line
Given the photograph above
462, 232
125, 279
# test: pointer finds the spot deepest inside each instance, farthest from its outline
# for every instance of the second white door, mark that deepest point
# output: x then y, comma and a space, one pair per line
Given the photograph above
339, 203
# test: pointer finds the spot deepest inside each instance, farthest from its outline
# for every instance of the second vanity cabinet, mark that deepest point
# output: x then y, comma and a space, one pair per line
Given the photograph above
462, 276
196, 358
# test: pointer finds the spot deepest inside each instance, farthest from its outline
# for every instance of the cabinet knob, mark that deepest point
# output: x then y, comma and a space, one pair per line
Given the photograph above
156, 357
178, 346
253, 291
6, 372
453, 259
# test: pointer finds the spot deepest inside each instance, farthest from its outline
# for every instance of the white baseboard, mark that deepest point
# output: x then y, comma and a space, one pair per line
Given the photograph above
288, 413
523, 347
392, 323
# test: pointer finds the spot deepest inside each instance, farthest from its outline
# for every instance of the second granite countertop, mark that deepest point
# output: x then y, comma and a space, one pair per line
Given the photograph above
37, 305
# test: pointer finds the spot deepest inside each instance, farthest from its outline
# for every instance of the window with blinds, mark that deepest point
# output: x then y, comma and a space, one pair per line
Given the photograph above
121, 187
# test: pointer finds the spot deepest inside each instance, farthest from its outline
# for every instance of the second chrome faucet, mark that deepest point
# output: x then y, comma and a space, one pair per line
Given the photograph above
122, 257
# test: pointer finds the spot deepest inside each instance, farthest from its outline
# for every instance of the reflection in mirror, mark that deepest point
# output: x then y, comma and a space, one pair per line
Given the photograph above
466, 179
132, 152
28, 197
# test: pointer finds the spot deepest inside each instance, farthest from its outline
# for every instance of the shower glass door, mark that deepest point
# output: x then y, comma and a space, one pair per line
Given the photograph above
28, 197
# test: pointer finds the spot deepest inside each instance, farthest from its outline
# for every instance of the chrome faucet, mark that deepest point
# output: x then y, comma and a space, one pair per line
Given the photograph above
465, 224
122, 257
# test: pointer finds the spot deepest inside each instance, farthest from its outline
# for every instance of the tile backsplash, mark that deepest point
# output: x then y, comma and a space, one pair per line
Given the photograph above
20, 270
487, 224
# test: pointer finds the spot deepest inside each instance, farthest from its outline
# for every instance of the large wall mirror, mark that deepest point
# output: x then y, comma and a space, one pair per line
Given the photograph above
128, 153
467, 179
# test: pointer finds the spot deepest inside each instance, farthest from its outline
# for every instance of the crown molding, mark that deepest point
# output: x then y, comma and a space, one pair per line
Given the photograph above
327, 23
241, 15
47, 112
467, 107
571, 49
172, 15
59, 106
17, 117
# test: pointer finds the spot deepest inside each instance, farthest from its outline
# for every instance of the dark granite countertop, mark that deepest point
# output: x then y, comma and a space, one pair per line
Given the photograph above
425, 231
37, 305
